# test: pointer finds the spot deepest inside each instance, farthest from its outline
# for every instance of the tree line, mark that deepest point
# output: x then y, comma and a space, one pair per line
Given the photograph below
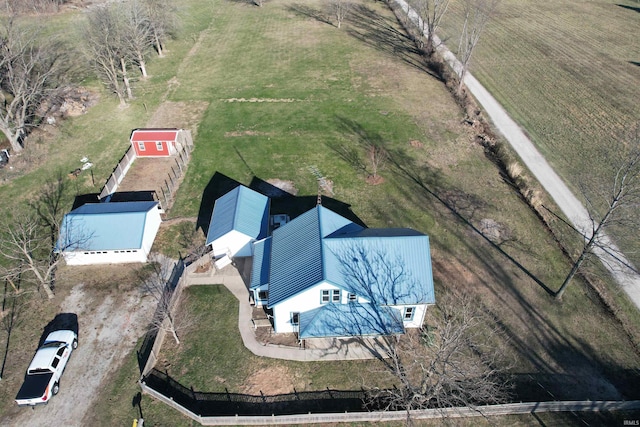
35, 68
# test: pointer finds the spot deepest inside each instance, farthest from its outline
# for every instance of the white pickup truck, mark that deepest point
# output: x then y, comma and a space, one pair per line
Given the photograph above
44, 372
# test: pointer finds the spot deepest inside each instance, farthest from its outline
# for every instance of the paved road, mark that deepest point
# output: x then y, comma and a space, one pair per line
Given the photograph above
573, 209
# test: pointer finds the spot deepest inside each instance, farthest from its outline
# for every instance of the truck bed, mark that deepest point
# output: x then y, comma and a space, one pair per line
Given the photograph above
33, 387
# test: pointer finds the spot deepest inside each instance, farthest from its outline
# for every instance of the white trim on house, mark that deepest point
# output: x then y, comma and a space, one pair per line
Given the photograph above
300, 303
233, 243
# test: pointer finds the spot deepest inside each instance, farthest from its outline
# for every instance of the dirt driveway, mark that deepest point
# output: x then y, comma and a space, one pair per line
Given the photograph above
109, 327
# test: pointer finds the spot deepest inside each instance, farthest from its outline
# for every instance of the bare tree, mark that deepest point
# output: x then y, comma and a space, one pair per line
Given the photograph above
29, 252
162, 22
32, 242
160, 281
431, 13
32, 6
51, 204
29, 74
104, 48
613, 205
377, 157
340, 9
451, 364
476, 14
138, 36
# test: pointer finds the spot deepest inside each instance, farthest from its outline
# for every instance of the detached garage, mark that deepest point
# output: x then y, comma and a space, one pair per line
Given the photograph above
109, 233
158, 142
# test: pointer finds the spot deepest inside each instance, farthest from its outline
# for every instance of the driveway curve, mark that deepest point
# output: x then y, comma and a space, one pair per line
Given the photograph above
573, 209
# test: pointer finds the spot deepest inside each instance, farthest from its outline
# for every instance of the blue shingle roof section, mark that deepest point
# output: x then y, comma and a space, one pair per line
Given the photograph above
104, 226
346, 320
261, 263
384, 266
241, 209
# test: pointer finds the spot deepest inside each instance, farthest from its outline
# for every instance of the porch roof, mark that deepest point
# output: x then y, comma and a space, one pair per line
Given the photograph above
348, 320
261, 262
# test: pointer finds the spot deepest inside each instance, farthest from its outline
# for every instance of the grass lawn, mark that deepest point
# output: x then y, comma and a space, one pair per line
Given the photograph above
287, 92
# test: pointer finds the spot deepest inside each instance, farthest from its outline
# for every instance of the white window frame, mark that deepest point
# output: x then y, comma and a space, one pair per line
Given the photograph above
335, 295
159, 146
408, 314
352, 297
141, 146
295, 315
325, 296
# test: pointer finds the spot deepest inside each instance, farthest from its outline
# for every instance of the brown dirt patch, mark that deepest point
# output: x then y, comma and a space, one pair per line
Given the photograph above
275, 187
269, 380
182, 115
148, 174
374, 180
244, 133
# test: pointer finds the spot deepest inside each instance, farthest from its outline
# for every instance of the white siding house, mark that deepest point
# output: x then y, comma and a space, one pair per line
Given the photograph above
323, 276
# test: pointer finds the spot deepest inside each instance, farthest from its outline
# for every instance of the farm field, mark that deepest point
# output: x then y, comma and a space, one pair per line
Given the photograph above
569, 73
285, 92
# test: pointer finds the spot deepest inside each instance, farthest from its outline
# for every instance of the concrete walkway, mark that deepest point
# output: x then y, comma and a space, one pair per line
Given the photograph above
235, 278
573, 209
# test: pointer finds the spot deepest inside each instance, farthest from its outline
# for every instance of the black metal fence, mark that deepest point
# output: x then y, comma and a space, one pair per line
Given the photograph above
230, 404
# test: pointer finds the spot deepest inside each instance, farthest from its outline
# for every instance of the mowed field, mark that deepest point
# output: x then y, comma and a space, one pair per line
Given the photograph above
286, 91
568, 72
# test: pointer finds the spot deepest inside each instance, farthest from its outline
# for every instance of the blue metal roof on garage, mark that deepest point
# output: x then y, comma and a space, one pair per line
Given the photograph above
105, 226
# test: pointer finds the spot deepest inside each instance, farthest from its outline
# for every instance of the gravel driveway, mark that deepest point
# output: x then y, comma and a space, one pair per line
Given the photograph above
108, 332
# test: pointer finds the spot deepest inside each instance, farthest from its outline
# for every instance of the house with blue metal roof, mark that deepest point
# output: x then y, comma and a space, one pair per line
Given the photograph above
323, 276
239, 218
109, 233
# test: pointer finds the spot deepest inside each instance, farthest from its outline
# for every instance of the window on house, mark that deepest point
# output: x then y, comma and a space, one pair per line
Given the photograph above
335, 295
324, 296
159, 145
141, 146
409, 312
295, 319
352, 297
263, 295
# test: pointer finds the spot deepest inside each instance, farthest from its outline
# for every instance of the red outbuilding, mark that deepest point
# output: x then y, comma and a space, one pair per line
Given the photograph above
156, 142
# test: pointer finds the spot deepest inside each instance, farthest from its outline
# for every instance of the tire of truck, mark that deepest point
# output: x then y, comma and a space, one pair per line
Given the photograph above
55, 389
74, 344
